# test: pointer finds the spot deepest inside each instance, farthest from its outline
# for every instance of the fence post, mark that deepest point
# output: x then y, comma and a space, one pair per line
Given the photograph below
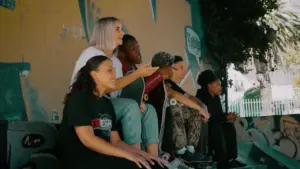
242, 109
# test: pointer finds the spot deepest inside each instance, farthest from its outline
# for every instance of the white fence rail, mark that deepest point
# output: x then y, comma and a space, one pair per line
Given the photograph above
257, 107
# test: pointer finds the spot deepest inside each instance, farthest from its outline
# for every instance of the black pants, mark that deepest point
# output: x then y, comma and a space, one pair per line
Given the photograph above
222, 140
202, 144
167, 142
104, 162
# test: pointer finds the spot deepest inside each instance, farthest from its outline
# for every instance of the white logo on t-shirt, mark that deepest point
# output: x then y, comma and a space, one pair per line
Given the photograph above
103, 122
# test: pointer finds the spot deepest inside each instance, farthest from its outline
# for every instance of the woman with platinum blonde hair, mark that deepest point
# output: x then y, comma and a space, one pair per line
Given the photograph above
103, 36
106, 37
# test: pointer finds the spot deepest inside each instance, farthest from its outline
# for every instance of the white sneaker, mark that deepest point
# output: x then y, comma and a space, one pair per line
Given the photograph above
178, 164
165, 156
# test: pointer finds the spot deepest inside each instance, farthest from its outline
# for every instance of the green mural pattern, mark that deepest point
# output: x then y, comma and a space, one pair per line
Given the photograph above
274, 135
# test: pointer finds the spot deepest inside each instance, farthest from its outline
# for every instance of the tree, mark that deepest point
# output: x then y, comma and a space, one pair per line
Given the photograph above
231, 30
237, 31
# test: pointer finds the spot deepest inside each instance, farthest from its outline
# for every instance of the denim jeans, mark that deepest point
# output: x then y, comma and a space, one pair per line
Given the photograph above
137, 126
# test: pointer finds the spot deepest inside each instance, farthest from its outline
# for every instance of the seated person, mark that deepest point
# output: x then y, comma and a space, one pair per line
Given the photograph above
88, 136
187, 122
221, 132
104, 42
165, 63
129, 55
158, 90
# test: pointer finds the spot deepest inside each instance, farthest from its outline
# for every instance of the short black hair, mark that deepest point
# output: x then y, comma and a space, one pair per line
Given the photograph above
127, 40
207, 77
177, 59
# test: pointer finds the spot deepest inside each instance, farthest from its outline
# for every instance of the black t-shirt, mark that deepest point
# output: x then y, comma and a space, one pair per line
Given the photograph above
174, 86
84, 109
213, 105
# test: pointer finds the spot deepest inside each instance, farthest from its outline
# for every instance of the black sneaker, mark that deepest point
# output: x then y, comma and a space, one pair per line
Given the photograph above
192, 157
236, 164
223, 165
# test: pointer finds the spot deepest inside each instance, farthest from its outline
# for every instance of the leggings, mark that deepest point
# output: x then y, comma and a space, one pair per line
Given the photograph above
186, 126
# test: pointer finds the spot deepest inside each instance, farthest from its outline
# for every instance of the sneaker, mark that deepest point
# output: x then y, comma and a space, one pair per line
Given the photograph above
178, 164
223, 165
192, 157
236, 164
166, 156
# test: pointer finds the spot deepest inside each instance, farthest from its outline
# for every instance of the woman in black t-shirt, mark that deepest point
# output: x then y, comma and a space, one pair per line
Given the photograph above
88, 136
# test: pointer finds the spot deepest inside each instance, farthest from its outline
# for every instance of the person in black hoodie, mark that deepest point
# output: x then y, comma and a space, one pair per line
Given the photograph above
221, 130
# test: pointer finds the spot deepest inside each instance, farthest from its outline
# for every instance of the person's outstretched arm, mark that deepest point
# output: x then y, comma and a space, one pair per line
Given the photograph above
142, 71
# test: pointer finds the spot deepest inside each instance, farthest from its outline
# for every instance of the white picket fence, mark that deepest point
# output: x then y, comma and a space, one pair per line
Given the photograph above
257, 107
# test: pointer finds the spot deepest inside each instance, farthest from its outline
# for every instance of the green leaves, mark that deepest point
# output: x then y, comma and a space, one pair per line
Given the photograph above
237, 30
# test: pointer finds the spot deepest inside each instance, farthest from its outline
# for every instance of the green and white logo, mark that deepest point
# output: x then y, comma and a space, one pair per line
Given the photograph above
192, 52
193, 44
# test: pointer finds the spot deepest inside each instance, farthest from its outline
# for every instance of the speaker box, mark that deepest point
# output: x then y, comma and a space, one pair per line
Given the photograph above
28, 145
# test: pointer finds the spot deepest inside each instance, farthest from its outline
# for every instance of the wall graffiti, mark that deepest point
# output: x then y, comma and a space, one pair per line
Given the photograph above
89, 14
76, 32
192, 52
10, 4
195, 49
153, 9
278, 132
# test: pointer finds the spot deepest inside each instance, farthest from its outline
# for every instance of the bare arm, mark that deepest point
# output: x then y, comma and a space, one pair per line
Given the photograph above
124, 81
88, 139
196, 100
182, 99
188, 102
142, 71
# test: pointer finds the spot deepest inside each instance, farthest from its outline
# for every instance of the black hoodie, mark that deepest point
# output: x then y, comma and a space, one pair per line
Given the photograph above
214, 106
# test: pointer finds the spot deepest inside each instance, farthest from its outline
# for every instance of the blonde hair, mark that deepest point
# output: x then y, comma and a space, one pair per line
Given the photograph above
103, 33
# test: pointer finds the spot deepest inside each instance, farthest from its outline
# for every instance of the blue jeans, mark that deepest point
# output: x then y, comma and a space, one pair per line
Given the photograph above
137, 126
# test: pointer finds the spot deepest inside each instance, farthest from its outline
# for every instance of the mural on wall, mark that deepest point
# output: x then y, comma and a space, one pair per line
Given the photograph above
153, 9
276, 133
74, 31
281, 133
195, 50
192, 52
10, 4
89, 14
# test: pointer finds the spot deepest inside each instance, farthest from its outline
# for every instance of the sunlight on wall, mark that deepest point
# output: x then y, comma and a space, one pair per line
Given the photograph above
50, 36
